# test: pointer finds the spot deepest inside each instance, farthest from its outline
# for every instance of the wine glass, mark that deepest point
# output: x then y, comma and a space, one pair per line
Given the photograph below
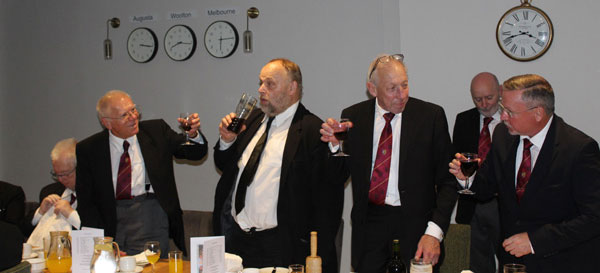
340, 131
186, 126
152, 252
514, 268
469, 163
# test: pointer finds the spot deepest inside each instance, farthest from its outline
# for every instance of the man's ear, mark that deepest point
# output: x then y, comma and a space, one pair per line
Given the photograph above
372, 89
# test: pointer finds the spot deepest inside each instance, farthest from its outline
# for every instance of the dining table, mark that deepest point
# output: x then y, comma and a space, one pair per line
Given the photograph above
162, 266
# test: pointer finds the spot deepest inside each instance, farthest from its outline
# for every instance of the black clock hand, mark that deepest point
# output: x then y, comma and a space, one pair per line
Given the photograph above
220, 42
144, 45
227, 38
527, 33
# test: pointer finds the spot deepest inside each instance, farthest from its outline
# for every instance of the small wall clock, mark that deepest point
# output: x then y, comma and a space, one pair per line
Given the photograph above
180, 42
142, 45
221, 39
524, 33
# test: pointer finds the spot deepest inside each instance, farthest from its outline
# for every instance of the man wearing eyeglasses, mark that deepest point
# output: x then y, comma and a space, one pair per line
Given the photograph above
399, 147
547, 177
472, 133
61, 195
125, 179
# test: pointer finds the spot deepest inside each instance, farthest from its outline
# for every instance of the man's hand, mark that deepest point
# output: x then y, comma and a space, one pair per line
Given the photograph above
63, 207
327, 131
194, 122
48, 202
455, 167
428, 249
226, 135
518, 245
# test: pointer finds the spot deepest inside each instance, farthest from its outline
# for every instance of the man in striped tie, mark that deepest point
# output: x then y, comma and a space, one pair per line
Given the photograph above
472, 133
547, 177
401, 189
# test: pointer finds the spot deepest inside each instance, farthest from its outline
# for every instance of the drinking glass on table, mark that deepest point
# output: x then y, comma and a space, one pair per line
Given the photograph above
152, 252
340, 131
296, 268
242, 111
514, 268
175, 261
469, 163
420, 266
186, 126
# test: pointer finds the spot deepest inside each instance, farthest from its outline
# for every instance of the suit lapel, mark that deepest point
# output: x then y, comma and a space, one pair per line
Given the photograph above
105, 166
255, 123
291, 144
149, 152
407, 136
364, 125
544, 161
509, 169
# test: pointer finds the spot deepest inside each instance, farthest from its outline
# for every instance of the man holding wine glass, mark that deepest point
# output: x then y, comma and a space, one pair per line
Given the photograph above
125, 181
274, 189
399, 147
547, 178
472, 133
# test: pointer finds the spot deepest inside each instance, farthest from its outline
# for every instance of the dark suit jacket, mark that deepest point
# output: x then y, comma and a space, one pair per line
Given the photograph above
427, 191
308, 201
560, 209
94, 186
11, 245
12, 203
54, 188
465, 138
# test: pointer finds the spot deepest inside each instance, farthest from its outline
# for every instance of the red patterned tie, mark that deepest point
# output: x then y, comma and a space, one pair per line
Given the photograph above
73, 199
381, 170
485, 140
524, 170
124, 176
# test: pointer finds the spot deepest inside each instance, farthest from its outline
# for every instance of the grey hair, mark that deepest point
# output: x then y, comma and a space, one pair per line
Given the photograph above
103, 106
64, 150
535, 90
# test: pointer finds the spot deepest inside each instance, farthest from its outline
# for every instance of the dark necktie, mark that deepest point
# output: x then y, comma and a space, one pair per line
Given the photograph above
524, 170
485, 140
250, 169
381, 169
73, 199
124, 176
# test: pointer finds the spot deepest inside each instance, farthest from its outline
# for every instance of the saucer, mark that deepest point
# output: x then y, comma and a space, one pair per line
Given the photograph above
137, 270
33, 255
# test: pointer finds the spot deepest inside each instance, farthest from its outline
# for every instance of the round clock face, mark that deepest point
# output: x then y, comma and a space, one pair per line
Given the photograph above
180, 42
221, 39
524, 33
142, 45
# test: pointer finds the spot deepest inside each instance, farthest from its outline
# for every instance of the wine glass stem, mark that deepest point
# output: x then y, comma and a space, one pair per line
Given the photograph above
152, 268
341, 145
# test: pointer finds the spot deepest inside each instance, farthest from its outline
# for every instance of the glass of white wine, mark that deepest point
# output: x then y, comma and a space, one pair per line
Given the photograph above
152, 252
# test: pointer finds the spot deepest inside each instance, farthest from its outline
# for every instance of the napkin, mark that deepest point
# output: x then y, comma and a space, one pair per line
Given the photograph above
48, 222
233, 263
140, 258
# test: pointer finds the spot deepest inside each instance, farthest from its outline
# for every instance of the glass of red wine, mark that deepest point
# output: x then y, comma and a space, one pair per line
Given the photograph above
186, 126
469, 163
242, 111
340, 131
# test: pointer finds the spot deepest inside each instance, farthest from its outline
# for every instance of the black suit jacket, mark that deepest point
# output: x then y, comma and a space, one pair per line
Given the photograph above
308, 201
465, 138
54, 188
12, 203
560, 209
94, 186
427, 191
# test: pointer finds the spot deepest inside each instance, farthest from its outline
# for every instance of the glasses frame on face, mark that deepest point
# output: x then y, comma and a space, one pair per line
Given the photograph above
57, 176
511, 113
130, 113
385, 59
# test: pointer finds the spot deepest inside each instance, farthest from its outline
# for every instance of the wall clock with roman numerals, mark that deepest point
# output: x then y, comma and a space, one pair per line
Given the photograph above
524, 33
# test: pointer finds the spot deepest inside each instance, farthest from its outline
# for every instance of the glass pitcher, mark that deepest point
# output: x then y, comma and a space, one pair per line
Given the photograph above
106, 255
59, 254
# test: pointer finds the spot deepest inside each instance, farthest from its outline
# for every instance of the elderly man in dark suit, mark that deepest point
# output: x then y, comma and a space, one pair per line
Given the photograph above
472, 133
125, 181
61, 194
273, 191
547, 177
399, 148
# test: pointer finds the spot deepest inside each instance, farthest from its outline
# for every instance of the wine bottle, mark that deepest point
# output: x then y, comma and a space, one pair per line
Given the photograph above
396, 265
313, 262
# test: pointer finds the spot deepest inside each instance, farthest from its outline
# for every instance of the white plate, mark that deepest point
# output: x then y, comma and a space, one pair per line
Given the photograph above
141, 263
137, 270
33, 255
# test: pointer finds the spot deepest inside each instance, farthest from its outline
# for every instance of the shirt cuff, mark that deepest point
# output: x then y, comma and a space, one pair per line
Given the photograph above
36, 217
198, 139
434, 230
225, 145
333, 149
74, 219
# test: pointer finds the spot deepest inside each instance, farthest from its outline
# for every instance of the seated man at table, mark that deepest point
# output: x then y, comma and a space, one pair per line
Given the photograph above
61, 195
